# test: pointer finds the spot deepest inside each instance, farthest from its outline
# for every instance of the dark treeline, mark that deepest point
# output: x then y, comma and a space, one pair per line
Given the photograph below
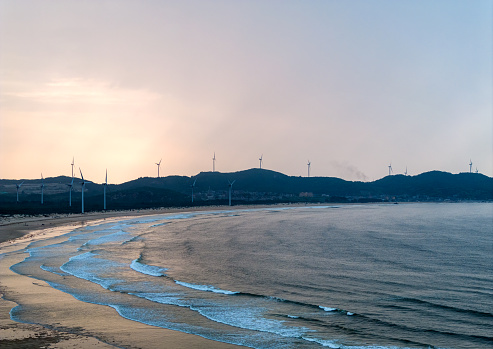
254, 186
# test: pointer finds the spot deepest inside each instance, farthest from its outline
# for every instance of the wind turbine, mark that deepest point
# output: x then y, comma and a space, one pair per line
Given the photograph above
214, 163
390, 169
17, 186
83, 184
405, 173
477, 170
309, 164
230, 188
105, 184
158, 165
193, 186
470, 166
73, 166
70, 192
261, 160
42, 188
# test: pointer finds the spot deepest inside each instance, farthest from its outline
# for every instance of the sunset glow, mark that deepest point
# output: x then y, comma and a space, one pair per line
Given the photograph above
351, 86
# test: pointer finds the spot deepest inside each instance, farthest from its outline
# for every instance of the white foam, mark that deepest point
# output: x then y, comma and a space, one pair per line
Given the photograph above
323, 342
327, 308
207, 288
333, 344
250, 319
147, 269
372, 347
349, 313
88, 267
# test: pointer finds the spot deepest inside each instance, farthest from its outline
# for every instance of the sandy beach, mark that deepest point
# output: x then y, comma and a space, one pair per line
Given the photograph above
70, 323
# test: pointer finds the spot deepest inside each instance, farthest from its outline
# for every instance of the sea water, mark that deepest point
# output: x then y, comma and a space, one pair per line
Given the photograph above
349, 276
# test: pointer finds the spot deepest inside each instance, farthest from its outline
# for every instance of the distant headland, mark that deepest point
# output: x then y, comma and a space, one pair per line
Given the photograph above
254, 186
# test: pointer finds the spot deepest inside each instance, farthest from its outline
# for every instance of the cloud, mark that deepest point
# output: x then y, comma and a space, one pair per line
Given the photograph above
359, 85
76, 91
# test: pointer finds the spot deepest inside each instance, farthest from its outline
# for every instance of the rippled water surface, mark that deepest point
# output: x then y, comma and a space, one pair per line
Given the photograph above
369, 276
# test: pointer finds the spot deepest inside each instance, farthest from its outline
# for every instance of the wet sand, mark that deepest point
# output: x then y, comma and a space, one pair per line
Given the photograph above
70, 323
17, 226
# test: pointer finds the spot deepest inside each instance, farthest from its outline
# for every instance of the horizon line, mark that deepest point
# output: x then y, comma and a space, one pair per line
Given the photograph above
253, 168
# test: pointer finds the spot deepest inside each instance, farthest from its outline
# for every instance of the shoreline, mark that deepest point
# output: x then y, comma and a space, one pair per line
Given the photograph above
71, 323
24, 226
86, 325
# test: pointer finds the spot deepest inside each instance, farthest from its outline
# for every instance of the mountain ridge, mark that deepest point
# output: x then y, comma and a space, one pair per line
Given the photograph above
250, 186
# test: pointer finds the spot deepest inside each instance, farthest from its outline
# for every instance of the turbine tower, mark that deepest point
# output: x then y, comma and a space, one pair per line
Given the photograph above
260, 159
83, 185
105, 184
42, 188
309, 165
230, 188
70, 192
470, 166
390, 169
193, 186
17, 186
214, 163
405, 173
72, 166
158, 165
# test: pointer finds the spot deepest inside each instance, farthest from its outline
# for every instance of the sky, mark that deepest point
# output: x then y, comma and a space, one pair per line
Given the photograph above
351, 86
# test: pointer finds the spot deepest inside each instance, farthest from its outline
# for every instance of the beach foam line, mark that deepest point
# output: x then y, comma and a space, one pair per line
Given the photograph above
322, 342
95, 325
206, 288
334, 345
151, 270
328, 309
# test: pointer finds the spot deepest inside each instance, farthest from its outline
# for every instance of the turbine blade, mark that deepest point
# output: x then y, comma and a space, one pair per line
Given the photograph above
81, 173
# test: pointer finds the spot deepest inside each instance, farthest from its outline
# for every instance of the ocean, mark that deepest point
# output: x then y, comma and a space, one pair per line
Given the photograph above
350, 276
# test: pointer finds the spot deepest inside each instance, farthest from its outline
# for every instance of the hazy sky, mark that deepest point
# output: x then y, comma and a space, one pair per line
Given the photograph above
349, 85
